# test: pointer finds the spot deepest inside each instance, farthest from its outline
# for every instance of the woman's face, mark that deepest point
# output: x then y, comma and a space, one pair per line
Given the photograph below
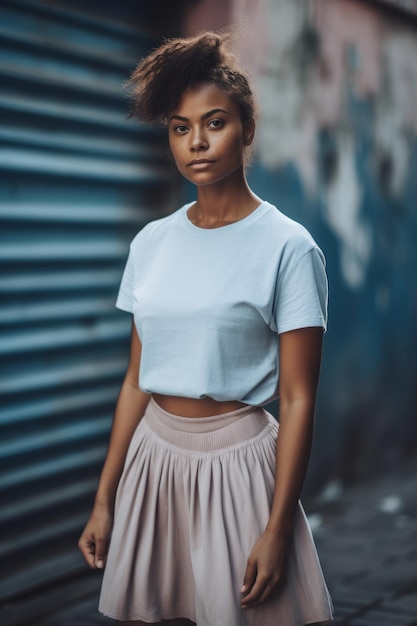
206, 135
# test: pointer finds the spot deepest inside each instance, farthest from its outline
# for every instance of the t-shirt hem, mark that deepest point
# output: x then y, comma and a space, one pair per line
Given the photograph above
302, 323
122, 306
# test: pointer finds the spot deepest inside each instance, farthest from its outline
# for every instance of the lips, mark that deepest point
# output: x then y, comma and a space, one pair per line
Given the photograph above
200, 163
197, 161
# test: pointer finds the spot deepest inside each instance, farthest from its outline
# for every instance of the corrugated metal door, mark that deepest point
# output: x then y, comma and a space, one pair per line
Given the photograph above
77, 181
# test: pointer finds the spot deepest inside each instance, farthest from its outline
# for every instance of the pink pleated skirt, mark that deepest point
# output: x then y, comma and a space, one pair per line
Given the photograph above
194, 497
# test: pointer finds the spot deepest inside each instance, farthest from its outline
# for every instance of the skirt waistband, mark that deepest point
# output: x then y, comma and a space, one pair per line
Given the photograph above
207, 434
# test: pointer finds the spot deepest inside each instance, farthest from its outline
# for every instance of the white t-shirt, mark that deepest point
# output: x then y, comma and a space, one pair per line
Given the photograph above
208, 303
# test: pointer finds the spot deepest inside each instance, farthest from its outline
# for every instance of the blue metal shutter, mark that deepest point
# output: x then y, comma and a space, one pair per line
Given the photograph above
78, 180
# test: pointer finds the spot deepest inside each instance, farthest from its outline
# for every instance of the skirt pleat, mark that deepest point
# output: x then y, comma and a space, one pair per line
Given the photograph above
194, 497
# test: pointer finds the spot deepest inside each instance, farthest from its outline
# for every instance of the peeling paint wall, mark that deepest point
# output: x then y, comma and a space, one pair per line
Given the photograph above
337, 149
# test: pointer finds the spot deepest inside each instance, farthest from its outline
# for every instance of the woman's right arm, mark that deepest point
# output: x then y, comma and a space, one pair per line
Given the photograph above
130, 408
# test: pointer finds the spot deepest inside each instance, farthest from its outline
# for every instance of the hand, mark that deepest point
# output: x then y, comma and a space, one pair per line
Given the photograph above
265, 569
94, 541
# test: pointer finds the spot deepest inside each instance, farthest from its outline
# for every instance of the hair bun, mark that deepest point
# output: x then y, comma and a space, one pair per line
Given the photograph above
161, 78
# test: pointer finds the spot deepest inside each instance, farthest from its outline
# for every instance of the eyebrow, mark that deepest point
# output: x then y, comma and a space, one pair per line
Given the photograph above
203, 117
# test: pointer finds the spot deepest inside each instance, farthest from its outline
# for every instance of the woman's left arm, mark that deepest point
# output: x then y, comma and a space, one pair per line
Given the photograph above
300, 357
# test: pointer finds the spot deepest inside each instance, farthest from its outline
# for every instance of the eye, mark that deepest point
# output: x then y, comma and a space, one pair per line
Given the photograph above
216, 123
180, 129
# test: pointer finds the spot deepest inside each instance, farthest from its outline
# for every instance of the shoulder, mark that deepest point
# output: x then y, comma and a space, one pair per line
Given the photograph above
289, 237
155, 230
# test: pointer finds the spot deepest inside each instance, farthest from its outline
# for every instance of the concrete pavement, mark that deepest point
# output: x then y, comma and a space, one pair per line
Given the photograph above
367, 541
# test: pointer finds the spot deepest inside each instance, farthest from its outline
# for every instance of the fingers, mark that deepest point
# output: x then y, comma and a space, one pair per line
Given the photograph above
260, 591
265, 568
250, 577
87, 548
95, 539
94, 551
257, 586
101, 552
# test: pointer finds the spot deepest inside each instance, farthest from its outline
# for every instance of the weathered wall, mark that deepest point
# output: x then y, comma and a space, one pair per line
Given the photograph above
337, 151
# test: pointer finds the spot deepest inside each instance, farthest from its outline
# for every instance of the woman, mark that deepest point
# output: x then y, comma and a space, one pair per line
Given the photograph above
225, 293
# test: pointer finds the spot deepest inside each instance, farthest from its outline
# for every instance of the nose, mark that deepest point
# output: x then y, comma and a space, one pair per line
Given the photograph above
198, 141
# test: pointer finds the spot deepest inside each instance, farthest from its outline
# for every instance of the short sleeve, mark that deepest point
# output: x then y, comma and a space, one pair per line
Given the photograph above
125, 296
302, 293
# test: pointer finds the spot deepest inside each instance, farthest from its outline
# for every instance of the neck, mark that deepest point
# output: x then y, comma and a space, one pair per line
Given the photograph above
224, 203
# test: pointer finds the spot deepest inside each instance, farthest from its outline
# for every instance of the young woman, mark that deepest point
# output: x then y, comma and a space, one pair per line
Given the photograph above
229, 301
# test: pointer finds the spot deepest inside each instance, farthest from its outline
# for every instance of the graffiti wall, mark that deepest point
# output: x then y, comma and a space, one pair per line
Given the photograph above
336, 150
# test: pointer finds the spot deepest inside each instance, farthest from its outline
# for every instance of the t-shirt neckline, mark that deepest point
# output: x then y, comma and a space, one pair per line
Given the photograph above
227, 228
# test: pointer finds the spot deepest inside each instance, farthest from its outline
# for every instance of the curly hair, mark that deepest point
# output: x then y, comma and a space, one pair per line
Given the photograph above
161, 78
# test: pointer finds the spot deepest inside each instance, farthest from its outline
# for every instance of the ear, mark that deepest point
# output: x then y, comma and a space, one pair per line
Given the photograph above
249, 132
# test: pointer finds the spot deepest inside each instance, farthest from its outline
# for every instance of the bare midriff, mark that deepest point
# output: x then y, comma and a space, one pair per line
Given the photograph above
193, 407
